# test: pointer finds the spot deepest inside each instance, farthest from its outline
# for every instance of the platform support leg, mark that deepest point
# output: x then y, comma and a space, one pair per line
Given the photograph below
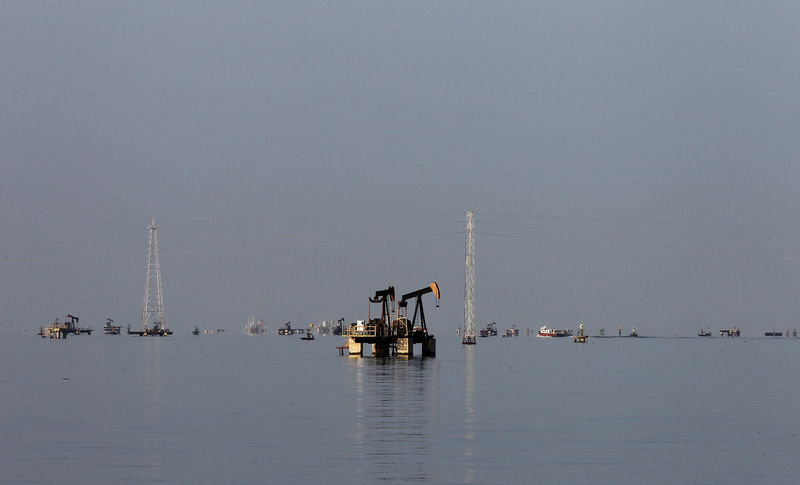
405, 346
381, 349
354, 348
429, 346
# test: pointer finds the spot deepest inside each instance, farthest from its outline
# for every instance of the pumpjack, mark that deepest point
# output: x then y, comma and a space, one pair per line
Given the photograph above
337, 330
418, 308
110, 328
392, 333
58, 330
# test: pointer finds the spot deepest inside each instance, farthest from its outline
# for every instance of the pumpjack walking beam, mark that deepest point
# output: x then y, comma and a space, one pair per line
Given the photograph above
418, 308
384, 297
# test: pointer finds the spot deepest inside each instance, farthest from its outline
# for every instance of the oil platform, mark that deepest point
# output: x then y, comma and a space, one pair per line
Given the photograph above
392, 333
253, 327
110, 328
153, 323
58, 330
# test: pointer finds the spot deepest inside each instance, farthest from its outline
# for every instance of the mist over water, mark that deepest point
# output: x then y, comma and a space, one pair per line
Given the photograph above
628, 163
235, 409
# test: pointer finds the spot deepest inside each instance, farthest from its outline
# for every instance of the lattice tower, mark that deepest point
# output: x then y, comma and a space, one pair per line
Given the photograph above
469, 282
153, 307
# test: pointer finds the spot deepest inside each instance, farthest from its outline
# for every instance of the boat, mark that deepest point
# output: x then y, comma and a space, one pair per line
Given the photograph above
634, 332
704, 332
547, 332
196, 331
308, 336
775, 334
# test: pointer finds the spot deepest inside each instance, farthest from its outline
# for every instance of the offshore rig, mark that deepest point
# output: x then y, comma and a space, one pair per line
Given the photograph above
392, 333
153, 324
60, 331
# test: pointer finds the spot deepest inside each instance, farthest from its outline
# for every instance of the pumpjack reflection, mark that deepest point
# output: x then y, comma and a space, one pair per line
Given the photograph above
395, 406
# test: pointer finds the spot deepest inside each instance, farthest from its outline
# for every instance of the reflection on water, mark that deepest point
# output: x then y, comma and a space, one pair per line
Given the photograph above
395, 402
152, 405
510, 411
469, 413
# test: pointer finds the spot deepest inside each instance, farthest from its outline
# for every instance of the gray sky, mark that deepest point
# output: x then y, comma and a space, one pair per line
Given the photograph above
628, 162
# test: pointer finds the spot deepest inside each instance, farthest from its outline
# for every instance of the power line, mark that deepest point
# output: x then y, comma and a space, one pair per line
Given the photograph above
638, 221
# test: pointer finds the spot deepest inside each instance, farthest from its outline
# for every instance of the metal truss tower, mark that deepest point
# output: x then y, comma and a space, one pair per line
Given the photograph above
469, 283
153, 308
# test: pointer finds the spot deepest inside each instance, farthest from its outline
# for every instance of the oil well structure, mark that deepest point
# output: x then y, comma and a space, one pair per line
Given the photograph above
392, 333
153, 323
58, 330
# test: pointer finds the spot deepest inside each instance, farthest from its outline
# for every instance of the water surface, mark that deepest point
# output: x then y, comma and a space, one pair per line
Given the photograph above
238, 409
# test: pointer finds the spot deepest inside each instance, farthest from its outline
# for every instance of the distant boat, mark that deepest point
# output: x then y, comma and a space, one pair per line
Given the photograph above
308, 336
704, 332
547, 332
196, 331
775, 334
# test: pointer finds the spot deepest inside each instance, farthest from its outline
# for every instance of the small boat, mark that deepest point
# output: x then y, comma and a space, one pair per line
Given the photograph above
634, 332
547, 332
308, 336
704, 332
196, 331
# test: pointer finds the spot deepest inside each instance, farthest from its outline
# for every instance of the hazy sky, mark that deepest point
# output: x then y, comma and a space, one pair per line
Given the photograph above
629, 162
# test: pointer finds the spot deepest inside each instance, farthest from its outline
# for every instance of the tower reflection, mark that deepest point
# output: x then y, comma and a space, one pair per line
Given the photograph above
151, 411
469, 413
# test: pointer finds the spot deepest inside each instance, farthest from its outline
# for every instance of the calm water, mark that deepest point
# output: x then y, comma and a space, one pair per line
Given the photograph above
237, 409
